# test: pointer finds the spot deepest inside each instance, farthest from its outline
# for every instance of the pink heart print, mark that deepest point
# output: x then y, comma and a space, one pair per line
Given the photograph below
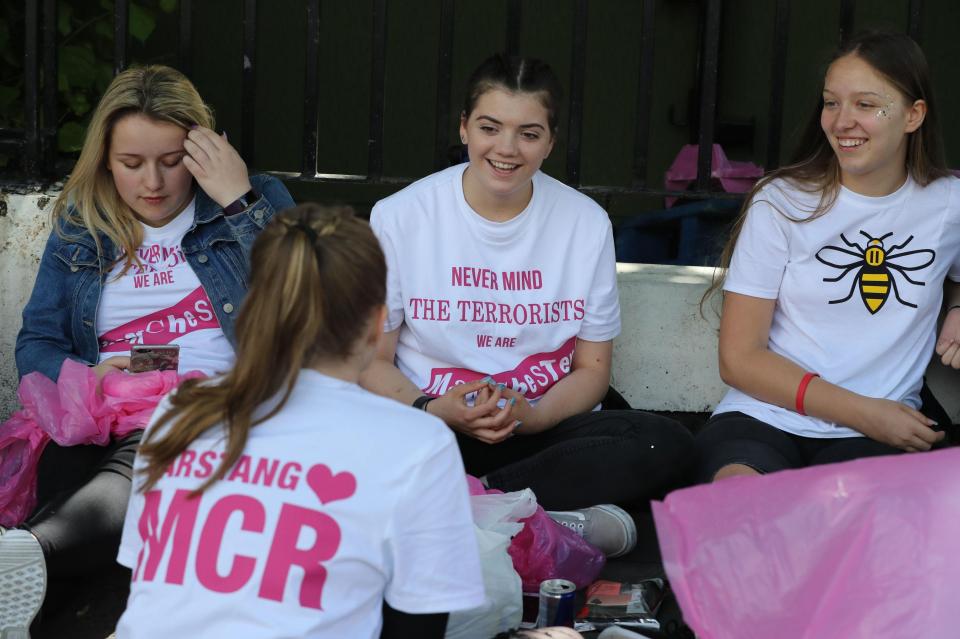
330, 487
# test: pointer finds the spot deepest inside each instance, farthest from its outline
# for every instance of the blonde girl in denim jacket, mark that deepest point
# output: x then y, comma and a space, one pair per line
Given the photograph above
150, 245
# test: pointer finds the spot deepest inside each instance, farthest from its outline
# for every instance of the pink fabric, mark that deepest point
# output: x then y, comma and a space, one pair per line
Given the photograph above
866, 548
544, 549
71, 412
735, 177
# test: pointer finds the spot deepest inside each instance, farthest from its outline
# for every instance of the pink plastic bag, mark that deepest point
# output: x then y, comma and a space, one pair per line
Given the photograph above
21, 444
544, 549
735, 177
861, 549
71, 412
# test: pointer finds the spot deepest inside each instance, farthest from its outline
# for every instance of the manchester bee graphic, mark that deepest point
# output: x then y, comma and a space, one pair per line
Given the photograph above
876, 268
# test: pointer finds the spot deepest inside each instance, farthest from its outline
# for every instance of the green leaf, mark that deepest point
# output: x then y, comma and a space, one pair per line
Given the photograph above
104, 29
64, 14
104, 77
78, 102
168, 6
77, 67
70, 137
142, 23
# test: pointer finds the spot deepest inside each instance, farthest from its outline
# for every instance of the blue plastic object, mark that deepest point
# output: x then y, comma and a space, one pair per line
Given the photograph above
691, 233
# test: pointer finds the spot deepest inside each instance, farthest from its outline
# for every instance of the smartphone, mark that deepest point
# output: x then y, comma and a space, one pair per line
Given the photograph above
154, 357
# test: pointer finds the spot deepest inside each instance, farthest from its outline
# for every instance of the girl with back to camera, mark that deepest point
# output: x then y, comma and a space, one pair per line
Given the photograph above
502, 307
835, 279
150, 245
283, 500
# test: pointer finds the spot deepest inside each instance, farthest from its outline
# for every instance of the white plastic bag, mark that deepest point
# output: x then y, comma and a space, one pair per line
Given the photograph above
495, 519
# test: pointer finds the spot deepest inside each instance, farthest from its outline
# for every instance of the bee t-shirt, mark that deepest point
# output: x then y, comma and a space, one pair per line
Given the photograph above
858, 289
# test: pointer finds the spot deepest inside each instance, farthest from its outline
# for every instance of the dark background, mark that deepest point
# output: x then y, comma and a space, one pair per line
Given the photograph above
613, 58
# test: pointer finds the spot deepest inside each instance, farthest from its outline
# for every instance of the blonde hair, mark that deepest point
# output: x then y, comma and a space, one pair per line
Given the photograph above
89, 198
317, 277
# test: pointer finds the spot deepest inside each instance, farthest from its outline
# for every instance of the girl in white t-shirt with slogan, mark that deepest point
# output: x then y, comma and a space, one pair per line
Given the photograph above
502, 309
281, 499
835, 279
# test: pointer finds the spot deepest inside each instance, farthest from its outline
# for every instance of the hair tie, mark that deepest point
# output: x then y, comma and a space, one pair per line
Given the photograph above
312, 236
309, 230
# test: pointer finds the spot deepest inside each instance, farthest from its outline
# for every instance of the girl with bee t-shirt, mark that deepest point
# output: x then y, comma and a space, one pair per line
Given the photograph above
503, 307
835, 276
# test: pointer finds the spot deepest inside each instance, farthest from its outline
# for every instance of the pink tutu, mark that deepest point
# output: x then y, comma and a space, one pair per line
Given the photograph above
71, 412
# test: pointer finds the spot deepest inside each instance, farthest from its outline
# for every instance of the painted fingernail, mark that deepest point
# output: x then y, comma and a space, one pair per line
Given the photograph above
517, 424
501, 386
225, 135
513, 401
487, 379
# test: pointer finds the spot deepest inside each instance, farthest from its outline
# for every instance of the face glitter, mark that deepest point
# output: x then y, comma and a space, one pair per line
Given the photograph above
884, 111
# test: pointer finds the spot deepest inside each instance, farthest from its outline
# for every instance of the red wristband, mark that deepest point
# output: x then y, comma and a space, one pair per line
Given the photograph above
802, 390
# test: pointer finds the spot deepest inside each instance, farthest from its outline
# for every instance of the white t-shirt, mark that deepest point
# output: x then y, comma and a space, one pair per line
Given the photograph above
161, 301
340, 501
846, 306
507, 299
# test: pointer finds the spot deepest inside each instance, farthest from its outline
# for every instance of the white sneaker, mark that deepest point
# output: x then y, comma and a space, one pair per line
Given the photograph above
23, 583
608, 527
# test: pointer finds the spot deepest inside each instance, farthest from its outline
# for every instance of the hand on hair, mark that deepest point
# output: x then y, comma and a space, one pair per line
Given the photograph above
948, 344
216, 165
484, 420
898, 425
109, 365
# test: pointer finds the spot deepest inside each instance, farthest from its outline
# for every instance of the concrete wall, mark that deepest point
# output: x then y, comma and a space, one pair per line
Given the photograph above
24, 226
665, 358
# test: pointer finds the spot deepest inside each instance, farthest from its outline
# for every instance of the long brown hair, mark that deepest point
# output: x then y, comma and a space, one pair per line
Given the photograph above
814, 168
318, 275
89, 198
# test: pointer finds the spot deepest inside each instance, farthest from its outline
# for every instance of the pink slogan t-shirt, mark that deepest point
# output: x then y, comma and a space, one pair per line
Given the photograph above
473, 297
160, 301
310, 531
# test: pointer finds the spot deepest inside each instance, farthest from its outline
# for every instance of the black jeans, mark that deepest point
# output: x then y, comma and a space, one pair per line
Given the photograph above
608, 456
82, 495
736, 438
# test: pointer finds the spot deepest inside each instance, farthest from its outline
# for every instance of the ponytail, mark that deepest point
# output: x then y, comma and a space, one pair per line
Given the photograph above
317, 276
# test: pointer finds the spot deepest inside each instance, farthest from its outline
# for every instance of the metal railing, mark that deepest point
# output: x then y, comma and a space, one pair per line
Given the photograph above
37, 143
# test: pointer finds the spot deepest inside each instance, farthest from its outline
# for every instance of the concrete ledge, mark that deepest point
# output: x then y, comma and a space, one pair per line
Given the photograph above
664, 360
24, 226
665, 356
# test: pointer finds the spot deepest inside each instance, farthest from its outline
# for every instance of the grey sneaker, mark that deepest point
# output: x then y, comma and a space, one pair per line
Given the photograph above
23, 583
608, 527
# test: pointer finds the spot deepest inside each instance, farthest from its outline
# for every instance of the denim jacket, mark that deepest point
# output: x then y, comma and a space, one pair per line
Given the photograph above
59, 321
